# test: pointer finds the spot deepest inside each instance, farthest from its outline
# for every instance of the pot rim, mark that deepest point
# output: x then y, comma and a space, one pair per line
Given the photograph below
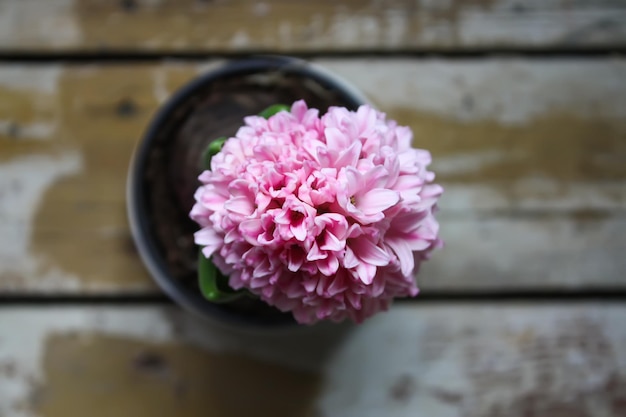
135, 204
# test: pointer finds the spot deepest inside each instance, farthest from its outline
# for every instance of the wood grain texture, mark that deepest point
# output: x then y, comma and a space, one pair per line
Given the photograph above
300, 26
530, 153
445, 361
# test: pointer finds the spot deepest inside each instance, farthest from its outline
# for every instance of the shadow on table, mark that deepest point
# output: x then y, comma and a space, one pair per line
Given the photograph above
203, 370
260, 372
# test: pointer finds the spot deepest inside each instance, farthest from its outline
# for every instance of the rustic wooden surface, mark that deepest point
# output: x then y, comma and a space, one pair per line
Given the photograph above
530, 152
531, 148
301, 25
446, 360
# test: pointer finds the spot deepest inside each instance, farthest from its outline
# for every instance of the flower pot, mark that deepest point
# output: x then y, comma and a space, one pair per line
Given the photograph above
165, 166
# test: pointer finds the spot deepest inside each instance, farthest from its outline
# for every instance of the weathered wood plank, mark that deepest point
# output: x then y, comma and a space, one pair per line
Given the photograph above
436, 361
288, 26
530, 152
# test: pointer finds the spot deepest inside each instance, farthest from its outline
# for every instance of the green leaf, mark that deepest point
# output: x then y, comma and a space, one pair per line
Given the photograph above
213, 148
273, 109
214, 285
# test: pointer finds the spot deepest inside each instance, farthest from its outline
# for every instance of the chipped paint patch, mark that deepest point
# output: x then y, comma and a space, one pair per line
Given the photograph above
23, 183
28, 131
506, 91
240, 40
159, 87
535, 194
138, 24
538, 27
209, 66
49, 23
30, 79
576, 250
469, 162
23, 335
567, 148
145, 355
443, 360
456, 360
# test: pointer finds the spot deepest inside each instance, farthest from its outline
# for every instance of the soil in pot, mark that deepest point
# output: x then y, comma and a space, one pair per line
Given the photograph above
175, 161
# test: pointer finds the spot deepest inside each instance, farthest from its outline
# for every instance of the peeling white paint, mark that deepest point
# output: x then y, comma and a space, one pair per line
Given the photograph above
284, 33
300, 348
23, 183
349, 30
159, 89
261, 9
209, 66
424, 23
540, 24
28, 131
25, 347
397, 25
535, 193
531, 252
508, 91
461, 349
151, 3
240, 39
447, 349
39, 80
468, 162
49, 23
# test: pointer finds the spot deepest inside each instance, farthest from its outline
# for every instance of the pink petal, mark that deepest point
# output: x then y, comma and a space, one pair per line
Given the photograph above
310, 285
335, 139
365, 117
338, 285
299, 231
369, 252
352, 180
350, 156
250, 230
212, 199
240, 205
366, 272
328, 266
350, 260
375, 177
268, 291
331, 243
378, 287
377, 200
406, 182
208, 251
200, 214
354, 300
207, 237
295, 259
257, 282
403, 251
299, 109
262, 269
231, 236
315, 253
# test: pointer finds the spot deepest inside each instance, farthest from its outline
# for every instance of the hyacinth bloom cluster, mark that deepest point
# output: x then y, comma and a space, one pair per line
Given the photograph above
325, 217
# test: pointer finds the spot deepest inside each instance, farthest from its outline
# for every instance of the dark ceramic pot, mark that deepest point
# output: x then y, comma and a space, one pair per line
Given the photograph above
166, 163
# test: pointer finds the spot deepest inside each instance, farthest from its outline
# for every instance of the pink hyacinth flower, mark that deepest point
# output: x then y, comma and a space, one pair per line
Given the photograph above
324, 217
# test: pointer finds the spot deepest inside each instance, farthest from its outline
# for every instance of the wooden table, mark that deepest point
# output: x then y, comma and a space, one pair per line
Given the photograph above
523, 105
